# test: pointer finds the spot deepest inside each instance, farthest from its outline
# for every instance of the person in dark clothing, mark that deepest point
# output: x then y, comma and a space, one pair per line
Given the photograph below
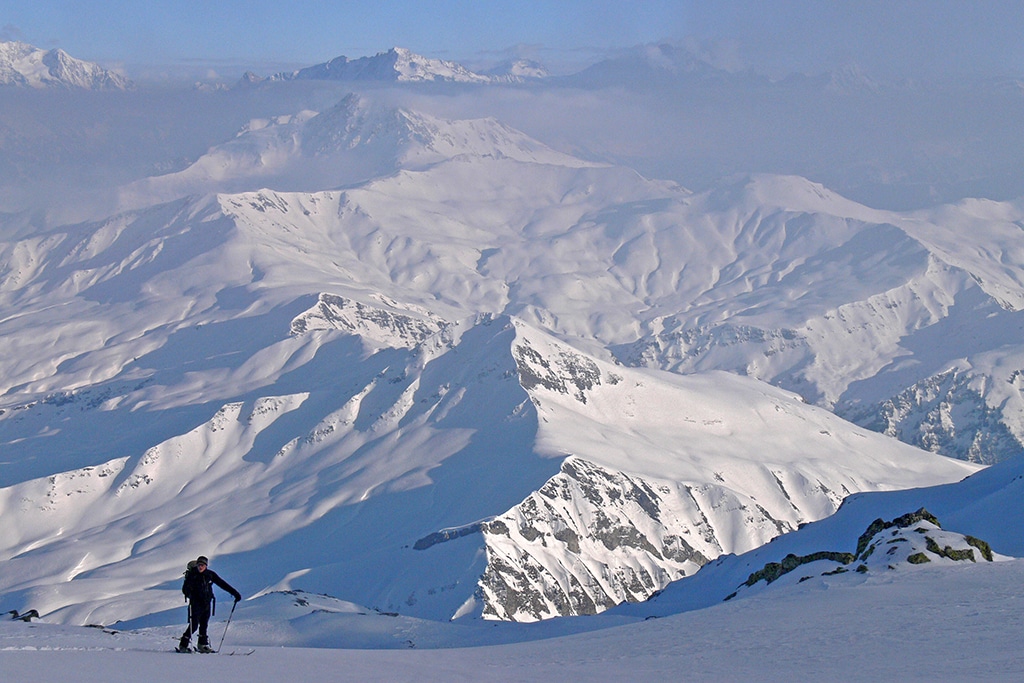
198, 590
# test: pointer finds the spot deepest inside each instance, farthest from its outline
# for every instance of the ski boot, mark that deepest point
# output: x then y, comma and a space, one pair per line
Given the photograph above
184, 645
204, 646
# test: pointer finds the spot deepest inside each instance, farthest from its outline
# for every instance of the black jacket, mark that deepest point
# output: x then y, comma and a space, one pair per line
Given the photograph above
198, 586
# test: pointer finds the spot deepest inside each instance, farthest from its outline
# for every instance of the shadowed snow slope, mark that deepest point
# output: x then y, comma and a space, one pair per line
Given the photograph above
405, 392
955, 617
344, 472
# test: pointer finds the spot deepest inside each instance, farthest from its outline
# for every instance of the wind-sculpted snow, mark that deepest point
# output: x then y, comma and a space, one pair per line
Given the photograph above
402, 388
386, 445
777, 278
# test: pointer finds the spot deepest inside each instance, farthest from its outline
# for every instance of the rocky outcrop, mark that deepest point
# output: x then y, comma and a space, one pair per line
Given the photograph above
592, 538
912, 539
945, 414
382, 323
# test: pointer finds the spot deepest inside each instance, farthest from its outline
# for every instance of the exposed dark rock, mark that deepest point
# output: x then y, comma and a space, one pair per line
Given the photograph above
773, 570
447, 535
986, 550
902, 522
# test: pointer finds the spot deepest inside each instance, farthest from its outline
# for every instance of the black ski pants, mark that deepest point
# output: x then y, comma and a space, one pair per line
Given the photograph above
198, 620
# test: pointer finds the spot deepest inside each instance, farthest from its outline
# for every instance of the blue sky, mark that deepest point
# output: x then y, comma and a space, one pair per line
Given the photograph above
885, 37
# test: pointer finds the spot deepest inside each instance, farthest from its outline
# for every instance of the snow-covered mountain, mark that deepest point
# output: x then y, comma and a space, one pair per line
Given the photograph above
396, 65
400, 65
403, 451
517, 71
351, 142
24, 65
420, 363
775, 277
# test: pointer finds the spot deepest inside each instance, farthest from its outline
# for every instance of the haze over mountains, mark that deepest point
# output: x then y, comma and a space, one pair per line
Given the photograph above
433, 365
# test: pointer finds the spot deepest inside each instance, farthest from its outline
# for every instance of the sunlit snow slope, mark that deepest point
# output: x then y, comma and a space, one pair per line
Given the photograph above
369, 471
392, 377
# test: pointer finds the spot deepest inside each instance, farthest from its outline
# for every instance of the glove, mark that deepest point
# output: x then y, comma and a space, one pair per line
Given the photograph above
237, 597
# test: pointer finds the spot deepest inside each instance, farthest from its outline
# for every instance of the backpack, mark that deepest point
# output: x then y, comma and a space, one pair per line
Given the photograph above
192, 573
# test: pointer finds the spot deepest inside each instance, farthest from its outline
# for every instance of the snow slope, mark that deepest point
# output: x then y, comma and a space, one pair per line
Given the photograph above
429, 355
774, 277
379, 448
954, 620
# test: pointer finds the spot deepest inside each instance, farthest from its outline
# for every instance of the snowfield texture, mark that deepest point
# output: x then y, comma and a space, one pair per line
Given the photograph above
798, 626
438, 368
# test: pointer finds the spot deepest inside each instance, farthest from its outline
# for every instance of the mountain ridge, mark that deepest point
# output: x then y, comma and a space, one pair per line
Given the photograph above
316, 458
453, 365
24, 65
401, 65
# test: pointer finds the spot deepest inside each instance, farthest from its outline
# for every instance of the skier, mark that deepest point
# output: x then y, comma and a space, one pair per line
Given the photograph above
198, 590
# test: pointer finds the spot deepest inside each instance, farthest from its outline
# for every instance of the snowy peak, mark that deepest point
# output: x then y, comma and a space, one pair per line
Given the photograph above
353, 142
397, 65
27, 66
517, 71
414, 138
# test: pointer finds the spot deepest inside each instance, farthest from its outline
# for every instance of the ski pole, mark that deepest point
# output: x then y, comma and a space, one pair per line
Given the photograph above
228, 623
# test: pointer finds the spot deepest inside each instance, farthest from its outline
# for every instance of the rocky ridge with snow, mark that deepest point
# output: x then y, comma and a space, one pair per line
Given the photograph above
24, 65
914, 538
421, 366
401, 65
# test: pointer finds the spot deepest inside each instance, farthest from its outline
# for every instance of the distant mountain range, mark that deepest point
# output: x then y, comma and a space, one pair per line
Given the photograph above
403, 66
24, 65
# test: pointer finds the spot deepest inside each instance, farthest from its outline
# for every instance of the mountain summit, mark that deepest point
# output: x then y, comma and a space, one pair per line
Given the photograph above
396, 65
24, 65
354, 141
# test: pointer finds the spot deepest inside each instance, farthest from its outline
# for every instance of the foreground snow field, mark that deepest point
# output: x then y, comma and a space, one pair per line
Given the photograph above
940, 623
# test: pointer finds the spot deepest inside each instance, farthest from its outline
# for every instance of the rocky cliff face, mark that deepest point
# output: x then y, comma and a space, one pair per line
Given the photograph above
944, 413
384, 322
597, 534
592, 538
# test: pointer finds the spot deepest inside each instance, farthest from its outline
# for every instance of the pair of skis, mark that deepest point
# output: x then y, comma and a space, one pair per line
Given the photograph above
191, 651
211, 651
